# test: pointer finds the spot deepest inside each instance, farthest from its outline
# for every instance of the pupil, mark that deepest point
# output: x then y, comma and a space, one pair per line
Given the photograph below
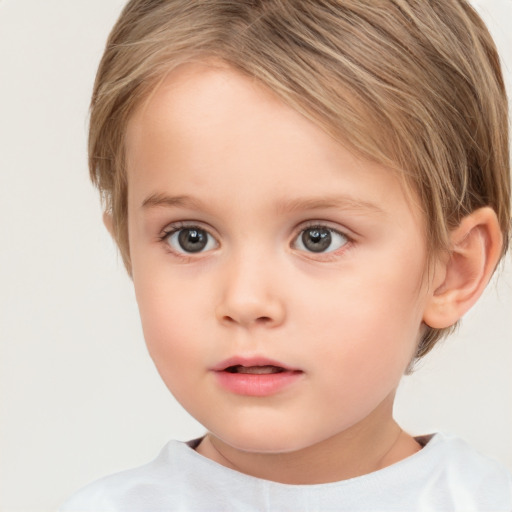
316, 239
192, 240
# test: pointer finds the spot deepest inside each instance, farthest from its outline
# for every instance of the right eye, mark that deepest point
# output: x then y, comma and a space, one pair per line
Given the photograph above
191, 240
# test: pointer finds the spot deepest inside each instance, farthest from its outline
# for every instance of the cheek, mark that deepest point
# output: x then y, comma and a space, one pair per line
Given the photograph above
368, 304
171, 319
171, 340
364, 361
369, 324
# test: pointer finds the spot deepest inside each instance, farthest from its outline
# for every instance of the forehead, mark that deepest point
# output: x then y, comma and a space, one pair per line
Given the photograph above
208, 102
205, 124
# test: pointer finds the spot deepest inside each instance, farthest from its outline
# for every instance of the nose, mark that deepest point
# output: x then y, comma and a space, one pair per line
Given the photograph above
250, 295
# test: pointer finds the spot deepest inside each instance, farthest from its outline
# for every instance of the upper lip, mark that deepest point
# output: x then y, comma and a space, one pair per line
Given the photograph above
250, 361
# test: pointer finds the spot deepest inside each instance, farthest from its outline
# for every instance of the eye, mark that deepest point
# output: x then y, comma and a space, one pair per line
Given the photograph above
320, 239
191, 240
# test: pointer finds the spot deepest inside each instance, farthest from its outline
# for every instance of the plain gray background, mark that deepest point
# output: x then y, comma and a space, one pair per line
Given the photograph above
79, 395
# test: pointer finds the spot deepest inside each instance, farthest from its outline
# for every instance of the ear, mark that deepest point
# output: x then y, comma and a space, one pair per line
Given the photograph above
462, 276
109, 223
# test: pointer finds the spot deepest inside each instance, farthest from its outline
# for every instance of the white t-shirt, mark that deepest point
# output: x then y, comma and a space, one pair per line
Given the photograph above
446, 475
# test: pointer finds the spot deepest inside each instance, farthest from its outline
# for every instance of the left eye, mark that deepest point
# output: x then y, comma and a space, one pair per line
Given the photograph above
320, 239
191, 240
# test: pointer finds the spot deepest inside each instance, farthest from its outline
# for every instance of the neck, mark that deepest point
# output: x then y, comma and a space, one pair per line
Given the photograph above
368, 446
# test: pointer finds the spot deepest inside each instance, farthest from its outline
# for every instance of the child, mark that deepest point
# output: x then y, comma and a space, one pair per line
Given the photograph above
307, 195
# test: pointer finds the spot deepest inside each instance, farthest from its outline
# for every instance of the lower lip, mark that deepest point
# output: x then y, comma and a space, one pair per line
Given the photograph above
257, 384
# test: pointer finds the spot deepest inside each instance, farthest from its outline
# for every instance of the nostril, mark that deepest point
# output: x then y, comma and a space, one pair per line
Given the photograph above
263, 320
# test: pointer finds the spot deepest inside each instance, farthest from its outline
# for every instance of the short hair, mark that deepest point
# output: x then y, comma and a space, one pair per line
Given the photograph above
414, 85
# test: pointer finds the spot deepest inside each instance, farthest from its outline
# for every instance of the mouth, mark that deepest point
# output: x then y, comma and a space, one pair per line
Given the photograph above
255, 377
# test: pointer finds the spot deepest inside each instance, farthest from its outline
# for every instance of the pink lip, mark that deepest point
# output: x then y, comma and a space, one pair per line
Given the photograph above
255, 384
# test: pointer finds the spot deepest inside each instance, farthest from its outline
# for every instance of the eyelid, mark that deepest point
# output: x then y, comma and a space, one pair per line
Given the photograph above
172, 227
323, 224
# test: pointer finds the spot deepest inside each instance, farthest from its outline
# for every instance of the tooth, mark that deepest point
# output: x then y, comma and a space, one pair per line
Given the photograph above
259, 370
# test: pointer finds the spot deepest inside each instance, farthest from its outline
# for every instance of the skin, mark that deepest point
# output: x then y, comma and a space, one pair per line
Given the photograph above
255, 175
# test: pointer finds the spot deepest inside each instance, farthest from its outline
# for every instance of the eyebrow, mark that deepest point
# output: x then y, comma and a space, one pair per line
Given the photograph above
157, 200
329, 202
299, 204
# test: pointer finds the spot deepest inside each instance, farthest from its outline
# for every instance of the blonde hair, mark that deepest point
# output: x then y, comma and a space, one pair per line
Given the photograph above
412, 84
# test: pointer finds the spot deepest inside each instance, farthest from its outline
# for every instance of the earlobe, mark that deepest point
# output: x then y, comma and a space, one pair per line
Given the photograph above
109, 223
460, 280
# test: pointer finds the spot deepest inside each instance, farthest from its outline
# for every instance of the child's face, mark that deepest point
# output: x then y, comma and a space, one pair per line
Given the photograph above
256, 239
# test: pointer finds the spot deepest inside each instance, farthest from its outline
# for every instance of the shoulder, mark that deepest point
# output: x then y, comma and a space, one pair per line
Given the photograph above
137, 489
460, 474
463, 459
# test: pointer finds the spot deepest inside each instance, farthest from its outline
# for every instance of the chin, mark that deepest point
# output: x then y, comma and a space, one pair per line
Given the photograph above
266, 441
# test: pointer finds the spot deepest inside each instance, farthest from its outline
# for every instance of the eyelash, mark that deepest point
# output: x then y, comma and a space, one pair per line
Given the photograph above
191, 256
327, 255
176, 228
